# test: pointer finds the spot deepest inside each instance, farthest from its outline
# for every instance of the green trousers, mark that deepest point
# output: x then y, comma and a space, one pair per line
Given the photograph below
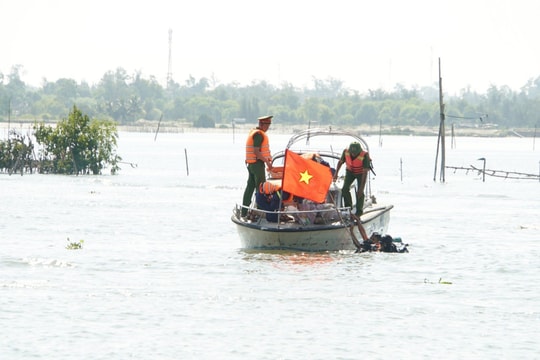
256, 176
346, 191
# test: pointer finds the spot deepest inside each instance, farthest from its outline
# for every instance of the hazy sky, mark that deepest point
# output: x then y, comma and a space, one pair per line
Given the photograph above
366, 44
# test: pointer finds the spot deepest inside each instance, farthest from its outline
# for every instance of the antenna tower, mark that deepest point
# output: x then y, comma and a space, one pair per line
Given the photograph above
169, 70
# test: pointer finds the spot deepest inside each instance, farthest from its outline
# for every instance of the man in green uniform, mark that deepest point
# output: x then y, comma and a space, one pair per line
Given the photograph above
257, 156
358, 164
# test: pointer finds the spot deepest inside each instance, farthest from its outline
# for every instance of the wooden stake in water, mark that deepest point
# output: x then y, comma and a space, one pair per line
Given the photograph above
401, 168
187, 166
483, 169
534, 137
453, 142
380, 132
441, 138
158, 125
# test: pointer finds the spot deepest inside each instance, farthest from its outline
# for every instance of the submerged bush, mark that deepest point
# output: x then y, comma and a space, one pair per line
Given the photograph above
16, 153
77, 145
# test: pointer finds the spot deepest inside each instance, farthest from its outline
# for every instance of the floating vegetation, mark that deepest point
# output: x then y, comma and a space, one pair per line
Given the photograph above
74, 245
426, 281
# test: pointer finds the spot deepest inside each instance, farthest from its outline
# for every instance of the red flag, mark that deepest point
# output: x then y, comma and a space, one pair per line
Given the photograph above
305, 178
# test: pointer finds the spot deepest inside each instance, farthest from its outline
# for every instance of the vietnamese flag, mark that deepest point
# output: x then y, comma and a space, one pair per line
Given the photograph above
305, 178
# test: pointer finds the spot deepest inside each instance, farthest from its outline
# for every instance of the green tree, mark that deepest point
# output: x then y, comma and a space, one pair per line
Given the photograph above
17, 93
367, 114
16, 153
78, 145
204, 121
48, 107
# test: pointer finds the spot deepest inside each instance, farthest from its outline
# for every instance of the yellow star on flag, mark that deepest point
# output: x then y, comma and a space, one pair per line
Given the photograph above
316, 178
305, 177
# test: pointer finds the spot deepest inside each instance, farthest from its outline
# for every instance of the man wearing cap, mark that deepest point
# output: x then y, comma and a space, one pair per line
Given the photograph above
358, 164
257, 156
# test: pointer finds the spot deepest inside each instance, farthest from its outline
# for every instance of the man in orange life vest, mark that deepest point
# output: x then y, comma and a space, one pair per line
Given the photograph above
268, 198
358, 164
257, 156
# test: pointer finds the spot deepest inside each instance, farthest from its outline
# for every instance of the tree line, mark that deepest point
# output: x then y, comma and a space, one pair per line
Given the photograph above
128, 98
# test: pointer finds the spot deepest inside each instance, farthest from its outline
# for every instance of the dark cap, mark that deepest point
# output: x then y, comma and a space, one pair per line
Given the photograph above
355, 148
266, 119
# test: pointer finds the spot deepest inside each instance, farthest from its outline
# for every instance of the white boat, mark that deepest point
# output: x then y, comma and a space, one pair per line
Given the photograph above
327, 226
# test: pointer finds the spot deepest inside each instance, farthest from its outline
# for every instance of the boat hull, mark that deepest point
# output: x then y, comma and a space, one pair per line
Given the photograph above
263, 235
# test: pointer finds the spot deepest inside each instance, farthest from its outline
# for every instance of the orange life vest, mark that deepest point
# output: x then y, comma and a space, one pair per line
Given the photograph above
251, 157
356, 165
268, 188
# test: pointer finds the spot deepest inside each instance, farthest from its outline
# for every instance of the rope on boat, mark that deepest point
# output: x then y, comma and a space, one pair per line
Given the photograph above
351, 228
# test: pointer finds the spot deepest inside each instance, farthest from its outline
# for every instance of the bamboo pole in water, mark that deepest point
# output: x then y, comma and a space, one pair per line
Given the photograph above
187, 166
401, 168
158, 125
440, 139
534, 137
